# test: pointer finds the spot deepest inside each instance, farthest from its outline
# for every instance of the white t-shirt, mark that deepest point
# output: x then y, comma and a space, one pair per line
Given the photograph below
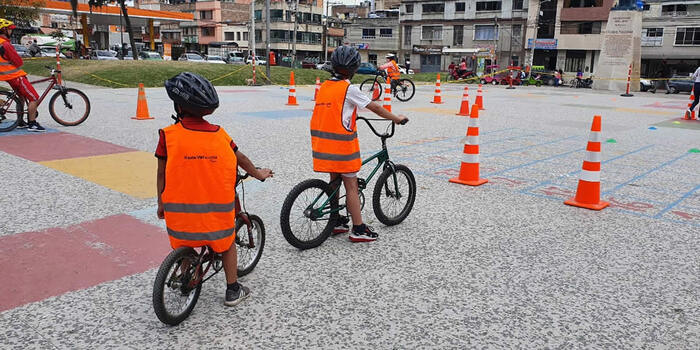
354, 99
696, 76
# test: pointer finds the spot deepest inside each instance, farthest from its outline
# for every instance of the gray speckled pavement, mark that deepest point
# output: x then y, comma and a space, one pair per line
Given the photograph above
503, 265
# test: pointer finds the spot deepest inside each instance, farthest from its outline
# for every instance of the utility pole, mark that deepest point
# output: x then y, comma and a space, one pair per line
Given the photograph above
252, 31
325, 34
267, 36
294, 39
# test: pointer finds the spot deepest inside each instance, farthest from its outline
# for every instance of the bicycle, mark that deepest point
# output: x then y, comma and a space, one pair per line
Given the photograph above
317, 200
184, 270
403, 90
74, 101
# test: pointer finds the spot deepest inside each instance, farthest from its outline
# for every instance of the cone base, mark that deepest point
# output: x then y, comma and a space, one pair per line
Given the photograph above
478, 182
437, 103
291, 104
626, 95
596, 206
137, 118
463, 114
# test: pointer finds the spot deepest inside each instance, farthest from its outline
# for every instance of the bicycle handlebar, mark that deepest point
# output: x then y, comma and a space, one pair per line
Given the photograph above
387, 134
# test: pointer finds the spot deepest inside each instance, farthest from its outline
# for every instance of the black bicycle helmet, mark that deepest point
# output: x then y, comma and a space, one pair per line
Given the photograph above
345, 60
193, 93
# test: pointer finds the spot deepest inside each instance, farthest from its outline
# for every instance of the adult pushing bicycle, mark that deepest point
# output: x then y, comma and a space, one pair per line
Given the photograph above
312, 209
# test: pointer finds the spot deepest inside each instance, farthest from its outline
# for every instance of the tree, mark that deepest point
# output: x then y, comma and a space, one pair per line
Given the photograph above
122, 5
24, 15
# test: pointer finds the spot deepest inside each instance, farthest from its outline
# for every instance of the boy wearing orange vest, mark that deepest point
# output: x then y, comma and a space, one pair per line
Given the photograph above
10, 71
334, 142
200, 162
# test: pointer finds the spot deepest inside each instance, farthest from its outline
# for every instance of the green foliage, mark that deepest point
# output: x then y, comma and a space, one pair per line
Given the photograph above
22, 16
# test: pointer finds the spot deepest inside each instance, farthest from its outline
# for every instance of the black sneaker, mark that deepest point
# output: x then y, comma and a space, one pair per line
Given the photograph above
341, 225
363, 233
22, 124
233, 298
35, 127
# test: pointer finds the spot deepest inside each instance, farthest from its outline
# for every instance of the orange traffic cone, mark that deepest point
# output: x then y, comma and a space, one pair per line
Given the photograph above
479, 98
691, 115
588, 191
292, 100
387, 95
464, 108
376, 91
141, 105
438, 94
318, 87
469, 170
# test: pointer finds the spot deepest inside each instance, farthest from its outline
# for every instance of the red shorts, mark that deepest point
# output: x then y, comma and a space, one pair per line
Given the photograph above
24, 88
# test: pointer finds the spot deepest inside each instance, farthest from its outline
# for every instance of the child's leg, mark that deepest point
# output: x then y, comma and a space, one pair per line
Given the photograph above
230, 260
352, 199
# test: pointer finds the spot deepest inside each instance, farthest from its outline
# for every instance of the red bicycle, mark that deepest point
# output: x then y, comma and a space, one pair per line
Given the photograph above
68, 106
182, 273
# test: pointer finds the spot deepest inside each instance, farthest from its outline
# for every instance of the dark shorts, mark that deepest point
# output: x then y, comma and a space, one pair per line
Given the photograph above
24, 88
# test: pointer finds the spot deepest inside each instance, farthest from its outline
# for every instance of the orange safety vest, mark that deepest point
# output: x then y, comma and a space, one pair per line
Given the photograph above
335, 148
200, 188
394, 72
7, 70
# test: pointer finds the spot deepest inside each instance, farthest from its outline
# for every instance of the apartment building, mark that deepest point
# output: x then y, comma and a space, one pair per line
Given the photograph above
484, 33
670, 36
309, 28
374, 37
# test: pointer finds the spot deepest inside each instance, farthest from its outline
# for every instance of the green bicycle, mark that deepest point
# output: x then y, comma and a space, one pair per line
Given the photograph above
311, 207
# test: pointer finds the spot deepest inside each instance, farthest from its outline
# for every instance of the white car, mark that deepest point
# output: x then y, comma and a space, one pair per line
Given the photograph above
327, 66
215, 59
191, 57
103, 55
258, 61
50, 51
402, 70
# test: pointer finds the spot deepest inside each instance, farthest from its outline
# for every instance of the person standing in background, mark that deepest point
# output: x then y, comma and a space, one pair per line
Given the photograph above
696, 86
408, 64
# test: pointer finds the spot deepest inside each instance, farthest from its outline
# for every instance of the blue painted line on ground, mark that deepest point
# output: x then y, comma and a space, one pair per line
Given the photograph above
17, 131
444, 140
646, 173
533, 162
675, 203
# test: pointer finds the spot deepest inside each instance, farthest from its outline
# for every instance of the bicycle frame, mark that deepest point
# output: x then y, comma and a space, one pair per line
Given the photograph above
52, 84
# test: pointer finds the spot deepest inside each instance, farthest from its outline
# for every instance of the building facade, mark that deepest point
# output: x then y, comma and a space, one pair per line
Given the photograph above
309, 29
483, 33
670, 37
374, 38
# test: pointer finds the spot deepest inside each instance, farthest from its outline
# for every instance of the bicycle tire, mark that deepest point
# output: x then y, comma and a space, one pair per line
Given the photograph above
287, 207
19, 112
384, 184
411, 86
159, 286
367, 86
255, 221
81, 95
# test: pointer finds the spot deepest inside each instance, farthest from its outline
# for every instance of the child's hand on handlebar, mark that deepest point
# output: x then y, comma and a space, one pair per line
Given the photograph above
401, 120
263, 174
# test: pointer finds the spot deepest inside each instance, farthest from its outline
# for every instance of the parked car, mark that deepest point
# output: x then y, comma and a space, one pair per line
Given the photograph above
325, 66
259, 61
191, 57
305, 64
680, 83
235, 60
215, 59
150, 56
547, 78
129, 56
50, 51
645, 85
103, 55
22, 50
367, 68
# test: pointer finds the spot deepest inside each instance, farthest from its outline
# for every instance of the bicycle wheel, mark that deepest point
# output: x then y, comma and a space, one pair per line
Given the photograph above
370, 89
173, 296
299, 226
11, 110
73, 108
394, 195
405, 90
249, 244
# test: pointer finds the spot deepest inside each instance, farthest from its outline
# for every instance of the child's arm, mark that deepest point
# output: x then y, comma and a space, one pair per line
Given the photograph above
380, 111
249, 167
160, 186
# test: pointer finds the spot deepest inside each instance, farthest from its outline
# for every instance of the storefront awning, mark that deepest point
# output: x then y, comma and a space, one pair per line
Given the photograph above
460, 50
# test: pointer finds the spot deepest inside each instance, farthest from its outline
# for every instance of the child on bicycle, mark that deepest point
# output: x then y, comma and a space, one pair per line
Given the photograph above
334, 142
392, 69
10, 72
200, 161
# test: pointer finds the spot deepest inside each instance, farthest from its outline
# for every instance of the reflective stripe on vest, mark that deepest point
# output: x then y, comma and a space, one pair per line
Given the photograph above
335, 149
7, 70
199, 196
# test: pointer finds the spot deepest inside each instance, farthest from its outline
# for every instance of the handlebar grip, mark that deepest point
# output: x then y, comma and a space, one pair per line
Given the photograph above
403, 122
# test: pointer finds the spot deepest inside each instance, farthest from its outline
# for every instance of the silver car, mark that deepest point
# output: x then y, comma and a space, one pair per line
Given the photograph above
104, 55
215, 59
191, 57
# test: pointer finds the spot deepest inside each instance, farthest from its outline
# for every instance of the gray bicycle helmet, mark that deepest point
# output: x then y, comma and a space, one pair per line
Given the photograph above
193, 93
345, 60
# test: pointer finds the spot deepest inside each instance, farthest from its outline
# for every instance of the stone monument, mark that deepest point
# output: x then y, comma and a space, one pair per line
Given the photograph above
621, 47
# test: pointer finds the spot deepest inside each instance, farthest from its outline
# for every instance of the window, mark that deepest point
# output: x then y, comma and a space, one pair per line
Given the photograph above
646, 7
245, 36
582, 3
674, 10
407, 35
385, 33
205, 14
409, 8
258, 15
517, 4
485, 32
517, 31
372, 58
229, 36
238, 36
515, 60
652, 37
488, 5
431, 33
207, 31
688, 36
581, 27
458, 35
368, 33
575, 60
276, 15
460, 6
316, 19
258, 35
433, 8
